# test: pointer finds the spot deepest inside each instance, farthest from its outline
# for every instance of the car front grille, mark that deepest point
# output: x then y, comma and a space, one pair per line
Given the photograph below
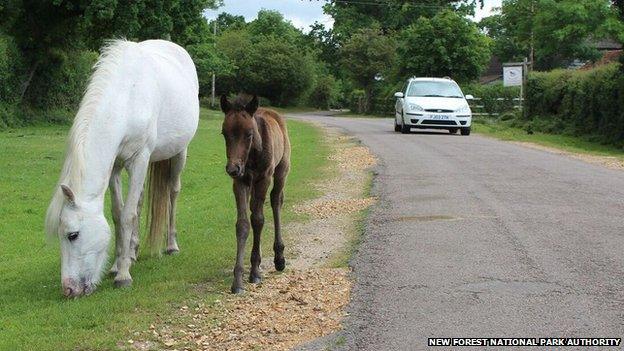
439, 110
439, 122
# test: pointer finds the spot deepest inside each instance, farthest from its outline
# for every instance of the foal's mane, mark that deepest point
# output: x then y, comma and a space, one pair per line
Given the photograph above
74, 166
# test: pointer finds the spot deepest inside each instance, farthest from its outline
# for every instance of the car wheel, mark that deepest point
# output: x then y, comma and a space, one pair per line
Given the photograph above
405, 129
397, 127
465, 131
453, 130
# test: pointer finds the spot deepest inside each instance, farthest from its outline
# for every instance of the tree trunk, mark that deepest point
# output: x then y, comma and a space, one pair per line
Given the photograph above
367, 97
28, 80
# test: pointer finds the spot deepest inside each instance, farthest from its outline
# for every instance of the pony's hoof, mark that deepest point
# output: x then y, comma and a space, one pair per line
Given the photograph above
237, 290
172, 251
125, 283
280, 264
255, 279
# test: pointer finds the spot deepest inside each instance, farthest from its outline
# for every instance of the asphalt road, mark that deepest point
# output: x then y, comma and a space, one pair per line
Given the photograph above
475, 237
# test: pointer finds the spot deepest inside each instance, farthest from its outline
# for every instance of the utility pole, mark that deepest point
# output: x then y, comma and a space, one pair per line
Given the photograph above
214, 43
532, 54
525, 73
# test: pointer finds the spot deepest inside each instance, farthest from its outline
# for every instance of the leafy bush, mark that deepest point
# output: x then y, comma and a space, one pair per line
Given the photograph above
578, 102
10, 70
61, 83
325, 92
9, 115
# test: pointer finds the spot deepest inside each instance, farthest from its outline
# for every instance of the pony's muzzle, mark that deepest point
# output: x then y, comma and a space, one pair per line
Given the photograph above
71, 288
235, 170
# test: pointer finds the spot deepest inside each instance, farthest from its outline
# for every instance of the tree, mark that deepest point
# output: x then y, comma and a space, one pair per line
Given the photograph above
272, 24
226, 21
389, 15
42, 28
326, 46
367, 55
564, 30
267, 59
550, 32
208, 61
445, 45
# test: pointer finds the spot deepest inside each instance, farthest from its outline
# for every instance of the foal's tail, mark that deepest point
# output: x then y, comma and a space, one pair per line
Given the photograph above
159, 190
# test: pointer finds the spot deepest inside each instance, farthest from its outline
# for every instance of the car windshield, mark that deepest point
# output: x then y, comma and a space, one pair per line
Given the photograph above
434, 89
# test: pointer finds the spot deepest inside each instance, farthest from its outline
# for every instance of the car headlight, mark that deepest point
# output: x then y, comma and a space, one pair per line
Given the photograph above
463, 109
414, 107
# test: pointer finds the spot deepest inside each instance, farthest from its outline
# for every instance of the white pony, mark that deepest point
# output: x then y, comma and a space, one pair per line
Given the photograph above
139, 112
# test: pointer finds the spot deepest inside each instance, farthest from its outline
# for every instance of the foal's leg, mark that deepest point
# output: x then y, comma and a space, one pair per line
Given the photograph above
277, 200
114, 185
137, 170
241, 191
177, 165
258, 196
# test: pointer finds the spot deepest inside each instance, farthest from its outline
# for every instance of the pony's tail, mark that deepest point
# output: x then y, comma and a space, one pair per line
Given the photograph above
159, 190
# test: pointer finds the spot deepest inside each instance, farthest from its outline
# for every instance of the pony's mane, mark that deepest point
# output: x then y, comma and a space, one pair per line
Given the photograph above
74, 166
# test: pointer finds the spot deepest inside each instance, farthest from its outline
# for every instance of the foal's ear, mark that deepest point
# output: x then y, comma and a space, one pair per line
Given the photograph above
69, 195
225, 104
252, 105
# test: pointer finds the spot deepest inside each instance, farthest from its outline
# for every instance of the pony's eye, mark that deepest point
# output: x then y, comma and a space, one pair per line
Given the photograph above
72, 236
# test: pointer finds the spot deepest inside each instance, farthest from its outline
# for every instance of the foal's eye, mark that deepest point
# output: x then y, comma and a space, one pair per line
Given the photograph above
249, 135
72, 236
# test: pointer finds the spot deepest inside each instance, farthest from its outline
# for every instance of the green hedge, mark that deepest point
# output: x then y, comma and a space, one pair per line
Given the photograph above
495, 98
579, 103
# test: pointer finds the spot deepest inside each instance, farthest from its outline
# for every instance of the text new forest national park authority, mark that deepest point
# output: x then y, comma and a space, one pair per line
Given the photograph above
524, 341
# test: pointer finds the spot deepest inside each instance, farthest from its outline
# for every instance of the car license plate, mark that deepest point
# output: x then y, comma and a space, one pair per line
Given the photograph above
441, 117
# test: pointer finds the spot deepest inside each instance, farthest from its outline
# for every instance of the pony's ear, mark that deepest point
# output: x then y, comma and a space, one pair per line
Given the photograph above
69, 195
225, 104
252, 105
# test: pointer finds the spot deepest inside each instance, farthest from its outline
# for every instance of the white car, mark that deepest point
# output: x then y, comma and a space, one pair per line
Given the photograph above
432, 103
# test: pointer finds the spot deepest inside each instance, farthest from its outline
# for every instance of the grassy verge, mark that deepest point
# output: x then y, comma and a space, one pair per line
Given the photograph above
34, 316
564, 142
342, 258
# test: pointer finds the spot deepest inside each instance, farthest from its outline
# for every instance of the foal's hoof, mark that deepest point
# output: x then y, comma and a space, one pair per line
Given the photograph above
126, 283
255, 279
237, 290
172, 251
280, 264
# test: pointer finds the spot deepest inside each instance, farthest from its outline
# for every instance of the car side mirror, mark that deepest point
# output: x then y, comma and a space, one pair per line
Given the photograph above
398, 95
469, 97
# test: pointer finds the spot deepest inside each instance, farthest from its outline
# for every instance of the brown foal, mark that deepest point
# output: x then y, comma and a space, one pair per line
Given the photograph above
257, 148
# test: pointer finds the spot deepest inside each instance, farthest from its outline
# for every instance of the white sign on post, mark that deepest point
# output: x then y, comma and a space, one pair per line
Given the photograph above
512, 76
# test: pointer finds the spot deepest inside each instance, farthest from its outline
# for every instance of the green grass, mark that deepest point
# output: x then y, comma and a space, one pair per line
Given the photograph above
33, 314
564, 142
